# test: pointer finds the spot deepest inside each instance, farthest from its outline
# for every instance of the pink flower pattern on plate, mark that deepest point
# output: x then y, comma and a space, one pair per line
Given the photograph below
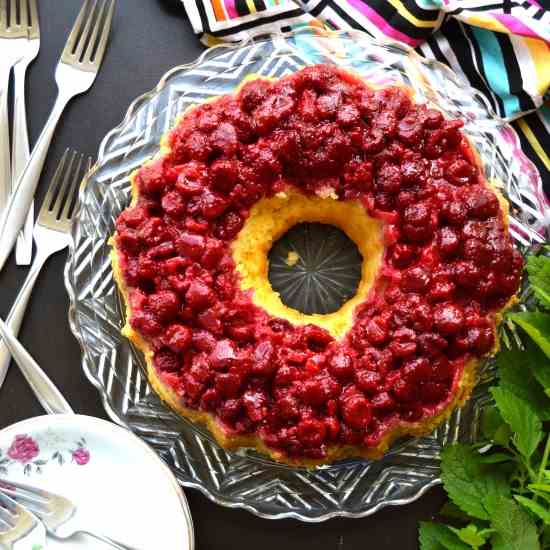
26, 451
81, 456
23, 449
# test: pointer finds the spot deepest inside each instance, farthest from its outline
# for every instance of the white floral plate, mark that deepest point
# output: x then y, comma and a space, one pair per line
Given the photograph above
120, 485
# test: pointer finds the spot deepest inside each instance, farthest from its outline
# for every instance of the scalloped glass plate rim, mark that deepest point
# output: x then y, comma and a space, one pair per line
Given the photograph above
132, 109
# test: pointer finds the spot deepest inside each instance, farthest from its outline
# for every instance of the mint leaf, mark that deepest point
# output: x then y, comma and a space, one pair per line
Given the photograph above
536, 325
467, 481
538, 268
491, 421
436, 536
515, 530
495, 458
471, 535
451, 510
522, 419
540, 511
518, 371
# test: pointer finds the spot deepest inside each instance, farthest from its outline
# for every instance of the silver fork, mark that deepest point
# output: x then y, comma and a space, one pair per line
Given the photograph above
20, 153
56, 512
75, 73
12, 44
51, 234
19, 526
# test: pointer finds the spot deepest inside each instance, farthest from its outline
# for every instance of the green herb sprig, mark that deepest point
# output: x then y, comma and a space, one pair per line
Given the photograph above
499, 488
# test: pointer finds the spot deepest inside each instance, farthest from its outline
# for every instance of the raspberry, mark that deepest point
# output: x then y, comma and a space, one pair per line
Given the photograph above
223, 355
190, 245
376, 331
356, 412
228, 384
415, 279
178, 338
369, 381
164, 305
388, 178
403, 255
166, 361
482, 202
199, 296
255, 405
311, 432
461, 173
448, 241
173, 204
264, 360
341, 366
287, 408
448, 318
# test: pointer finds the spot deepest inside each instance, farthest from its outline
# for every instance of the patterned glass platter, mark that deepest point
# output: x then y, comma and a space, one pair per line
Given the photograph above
247, 480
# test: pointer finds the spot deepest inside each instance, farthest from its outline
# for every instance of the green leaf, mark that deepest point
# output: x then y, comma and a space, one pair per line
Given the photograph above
546, 537
545, 487
540, 511
467, 481
518, 371
515, 530
536, 325
452, 511
491, 421
495, 458
436, 536
522, 419
471, 535
538, 268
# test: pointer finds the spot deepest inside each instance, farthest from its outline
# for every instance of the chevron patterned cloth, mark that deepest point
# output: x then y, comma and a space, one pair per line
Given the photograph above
501, 47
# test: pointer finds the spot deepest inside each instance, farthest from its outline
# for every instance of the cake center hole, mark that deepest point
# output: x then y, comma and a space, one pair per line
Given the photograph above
315, 268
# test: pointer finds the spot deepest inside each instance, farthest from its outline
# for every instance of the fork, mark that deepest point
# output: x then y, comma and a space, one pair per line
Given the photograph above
51, 234
19, 528
75, 73
12, 44
28, 18
56, 512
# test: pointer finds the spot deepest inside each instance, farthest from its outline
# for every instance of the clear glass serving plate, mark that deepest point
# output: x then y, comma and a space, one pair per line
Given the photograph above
246, 480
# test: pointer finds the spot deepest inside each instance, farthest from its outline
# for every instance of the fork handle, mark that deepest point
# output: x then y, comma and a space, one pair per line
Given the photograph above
15, 213
17, 311
43, 388
20, 157
5, 167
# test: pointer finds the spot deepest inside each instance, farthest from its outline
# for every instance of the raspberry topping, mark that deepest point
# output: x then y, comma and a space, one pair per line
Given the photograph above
449, 265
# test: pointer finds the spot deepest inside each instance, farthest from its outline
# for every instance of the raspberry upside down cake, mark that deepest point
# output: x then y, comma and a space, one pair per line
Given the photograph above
190, 256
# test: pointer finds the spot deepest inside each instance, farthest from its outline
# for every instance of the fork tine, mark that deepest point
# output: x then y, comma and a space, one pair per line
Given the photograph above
87, 57
75, 32
13, 13
63, 186
54, 184
23, 13
34, 21
3, 14
102, 44
67, 209
84, 36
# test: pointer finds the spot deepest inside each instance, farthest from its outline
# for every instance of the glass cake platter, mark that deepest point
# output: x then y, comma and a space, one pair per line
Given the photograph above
351, 488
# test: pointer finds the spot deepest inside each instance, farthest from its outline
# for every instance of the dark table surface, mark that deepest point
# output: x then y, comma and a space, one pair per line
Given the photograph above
147, 40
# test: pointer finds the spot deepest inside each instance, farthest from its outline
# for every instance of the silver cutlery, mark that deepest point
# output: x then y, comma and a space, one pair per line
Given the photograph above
43, 388
75, 73
19, 526
28, 19
57, 513
13, 38
51, 234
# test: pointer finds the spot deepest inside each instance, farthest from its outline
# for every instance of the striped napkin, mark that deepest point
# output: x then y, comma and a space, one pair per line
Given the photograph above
501, 47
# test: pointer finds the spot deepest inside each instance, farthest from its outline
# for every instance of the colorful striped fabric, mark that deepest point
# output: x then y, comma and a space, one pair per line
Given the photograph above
501, 47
